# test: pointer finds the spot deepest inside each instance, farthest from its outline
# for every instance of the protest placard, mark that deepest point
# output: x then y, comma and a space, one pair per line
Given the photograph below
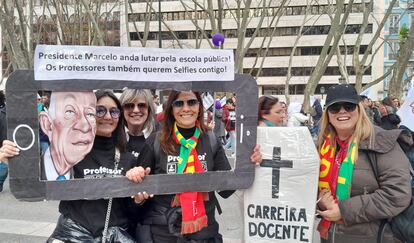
134, 64
280, 205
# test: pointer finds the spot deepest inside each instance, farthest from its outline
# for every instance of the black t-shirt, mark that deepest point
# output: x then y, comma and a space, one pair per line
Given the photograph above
135, 144
97, 164
167, 164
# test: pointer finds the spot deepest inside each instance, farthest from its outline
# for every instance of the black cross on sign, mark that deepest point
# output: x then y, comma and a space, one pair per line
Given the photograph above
276, 163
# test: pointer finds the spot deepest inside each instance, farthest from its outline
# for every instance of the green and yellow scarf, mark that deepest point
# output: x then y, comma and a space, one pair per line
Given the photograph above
194, 216
336, 171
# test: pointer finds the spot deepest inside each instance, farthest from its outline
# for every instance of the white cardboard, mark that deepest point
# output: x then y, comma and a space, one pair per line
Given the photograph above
133, 64
297, 189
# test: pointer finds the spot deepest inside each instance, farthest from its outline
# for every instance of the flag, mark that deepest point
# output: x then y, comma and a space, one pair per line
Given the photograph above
406, 111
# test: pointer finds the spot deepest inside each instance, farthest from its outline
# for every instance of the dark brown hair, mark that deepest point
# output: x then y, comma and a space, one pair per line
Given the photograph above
118, 135
265, 105
166, 136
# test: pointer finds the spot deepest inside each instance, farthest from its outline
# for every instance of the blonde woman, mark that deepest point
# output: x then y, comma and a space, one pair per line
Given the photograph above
352, 200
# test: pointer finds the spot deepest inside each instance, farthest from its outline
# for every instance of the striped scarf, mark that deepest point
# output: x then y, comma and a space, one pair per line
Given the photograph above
336, 173
194, 216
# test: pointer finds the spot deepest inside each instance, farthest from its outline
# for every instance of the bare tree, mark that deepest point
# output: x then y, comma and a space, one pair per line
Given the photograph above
405, 51
54, 22
338, 24
363, 64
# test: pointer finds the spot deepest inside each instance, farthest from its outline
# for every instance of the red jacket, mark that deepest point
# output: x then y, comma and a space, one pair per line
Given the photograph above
229, 118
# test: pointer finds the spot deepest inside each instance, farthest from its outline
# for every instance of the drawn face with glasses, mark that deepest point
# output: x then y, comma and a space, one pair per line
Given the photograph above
343, 116
185, 109
136, 114
107, 116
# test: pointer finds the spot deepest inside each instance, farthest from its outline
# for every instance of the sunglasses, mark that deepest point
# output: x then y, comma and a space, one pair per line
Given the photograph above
180, 103
131, 106
335, 108
101, 112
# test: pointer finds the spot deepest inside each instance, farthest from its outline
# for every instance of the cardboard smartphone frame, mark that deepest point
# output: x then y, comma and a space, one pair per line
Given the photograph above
23, 127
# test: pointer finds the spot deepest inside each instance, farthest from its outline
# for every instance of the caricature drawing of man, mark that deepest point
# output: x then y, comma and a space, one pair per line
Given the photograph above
70, 125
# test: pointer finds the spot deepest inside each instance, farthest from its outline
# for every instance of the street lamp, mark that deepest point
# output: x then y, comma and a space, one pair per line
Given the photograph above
322, 90
342, 80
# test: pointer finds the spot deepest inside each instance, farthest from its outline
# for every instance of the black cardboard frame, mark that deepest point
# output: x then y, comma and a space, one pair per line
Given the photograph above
25, 183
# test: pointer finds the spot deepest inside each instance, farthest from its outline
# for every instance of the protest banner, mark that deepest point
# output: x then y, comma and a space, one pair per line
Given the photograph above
406, 111
280, 205
26, 181
133, 64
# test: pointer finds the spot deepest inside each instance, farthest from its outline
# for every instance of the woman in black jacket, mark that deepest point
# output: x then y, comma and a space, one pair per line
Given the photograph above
88, 220
184, 147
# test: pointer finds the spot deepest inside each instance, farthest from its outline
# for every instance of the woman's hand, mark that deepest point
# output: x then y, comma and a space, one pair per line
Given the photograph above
325, 198
8, 150
329, 207
137, 174
141, 197
256, 157
211, 125
332, 213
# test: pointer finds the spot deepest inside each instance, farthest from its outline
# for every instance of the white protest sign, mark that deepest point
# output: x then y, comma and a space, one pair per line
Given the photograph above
133, 64
280, 206
208, 100
406, 111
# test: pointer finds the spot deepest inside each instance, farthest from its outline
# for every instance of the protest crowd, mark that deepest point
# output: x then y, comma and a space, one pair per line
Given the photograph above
364, 178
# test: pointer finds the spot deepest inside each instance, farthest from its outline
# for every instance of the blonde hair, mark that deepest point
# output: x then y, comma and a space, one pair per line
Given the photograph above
131, 95
363, 129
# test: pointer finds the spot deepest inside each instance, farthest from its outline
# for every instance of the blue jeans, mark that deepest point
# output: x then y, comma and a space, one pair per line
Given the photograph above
3, 174
231, 143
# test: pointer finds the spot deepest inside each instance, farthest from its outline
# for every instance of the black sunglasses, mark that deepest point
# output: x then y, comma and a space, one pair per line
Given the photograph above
180, 103
335, 108
131, 106
101, 112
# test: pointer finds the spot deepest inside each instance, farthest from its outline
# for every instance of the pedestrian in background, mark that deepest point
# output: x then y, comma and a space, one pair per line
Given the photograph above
296, 117
4, 169
219, 129
229, 120
271, 112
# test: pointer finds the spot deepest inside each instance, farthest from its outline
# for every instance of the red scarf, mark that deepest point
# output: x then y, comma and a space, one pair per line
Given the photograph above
194, 216
327, 154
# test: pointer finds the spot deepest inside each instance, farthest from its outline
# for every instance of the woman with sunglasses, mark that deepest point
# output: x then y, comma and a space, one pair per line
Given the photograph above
139, 114
89, 220
271, 112
184, 137
352, 200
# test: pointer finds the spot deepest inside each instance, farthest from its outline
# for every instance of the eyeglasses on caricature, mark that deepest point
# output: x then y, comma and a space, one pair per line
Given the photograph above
101, 112
131, 106
180, 103
335, 108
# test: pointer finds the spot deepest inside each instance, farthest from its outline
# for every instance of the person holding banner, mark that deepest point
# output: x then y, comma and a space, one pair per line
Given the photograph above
352, 200
184, 145
271, 112
93, 220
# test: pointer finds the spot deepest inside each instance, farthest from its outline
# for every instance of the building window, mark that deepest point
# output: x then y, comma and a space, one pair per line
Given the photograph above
282, 31
394, 24
254, 12
393, 47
